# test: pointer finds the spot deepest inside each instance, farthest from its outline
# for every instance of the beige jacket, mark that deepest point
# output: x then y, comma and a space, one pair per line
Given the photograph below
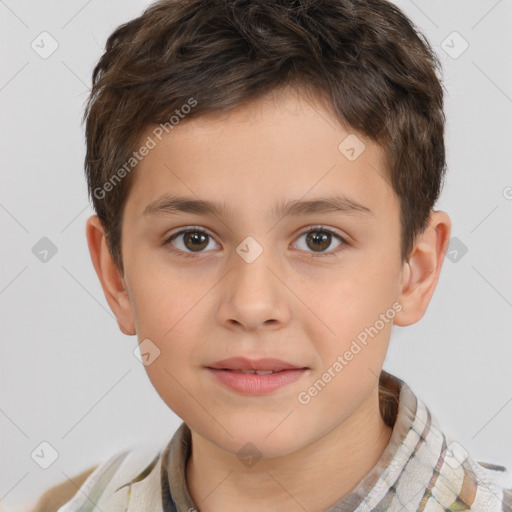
60, 494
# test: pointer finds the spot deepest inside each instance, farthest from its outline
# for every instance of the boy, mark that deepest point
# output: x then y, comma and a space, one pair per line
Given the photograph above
225, 139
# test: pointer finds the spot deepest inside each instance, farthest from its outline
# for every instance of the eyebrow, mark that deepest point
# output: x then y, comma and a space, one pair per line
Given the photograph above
173, 205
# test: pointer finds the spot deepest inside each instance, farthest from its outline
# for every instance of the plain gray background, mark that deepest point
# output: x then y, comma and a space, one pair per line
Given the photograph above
69, 376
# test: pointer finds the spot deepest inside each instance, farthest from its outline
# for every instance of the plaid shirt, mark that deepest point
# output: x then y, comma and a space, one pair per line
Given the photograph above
420, 470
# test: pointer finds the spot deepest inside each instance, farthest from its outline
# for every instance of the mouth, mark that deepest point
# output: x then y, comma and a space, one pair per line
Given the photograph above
262, 366
252, 372
258, 377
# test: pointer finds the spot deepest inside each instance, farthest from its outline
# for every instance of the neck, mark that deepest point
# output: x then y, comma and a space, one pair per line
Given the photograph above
312, 478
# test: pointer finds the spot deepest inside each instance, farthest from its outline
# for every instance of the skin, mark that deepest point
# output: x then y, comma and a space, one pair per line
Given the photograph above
287, 303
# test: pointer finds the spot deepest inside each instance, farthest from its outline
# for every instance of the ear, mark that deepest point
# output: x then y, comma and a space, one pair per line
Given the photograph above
421, 272
109, 275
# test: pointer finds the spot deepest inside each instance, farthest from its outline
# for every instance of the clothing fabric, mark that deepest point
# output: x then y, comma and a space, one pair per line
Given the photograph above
420, 469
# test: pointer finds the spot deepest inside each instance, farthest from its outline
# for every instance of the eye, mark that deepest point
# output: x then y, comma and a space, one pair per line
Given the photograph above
195, 239
320, 238
189, 241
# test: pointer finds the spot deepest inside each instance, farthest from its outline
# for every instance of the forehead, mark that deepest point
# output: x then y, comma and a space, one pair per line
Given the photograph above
283, 146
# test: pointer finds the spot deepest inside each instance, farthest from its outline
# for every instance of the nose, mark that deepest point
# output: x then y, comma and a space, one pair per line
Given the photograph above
253, 295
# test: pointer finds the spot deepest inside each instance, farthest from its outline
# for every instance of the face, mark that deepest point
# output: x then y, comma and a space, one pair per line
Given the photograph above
251, 279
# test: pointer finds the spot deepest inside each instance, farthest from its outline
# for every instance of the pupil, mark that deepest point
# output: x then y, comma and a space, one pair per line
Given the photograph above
319, 237
196, 237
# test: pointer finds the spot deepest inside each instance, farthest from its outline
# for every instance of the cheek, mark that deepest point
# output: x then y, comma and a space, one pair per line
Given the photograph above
170, 311
160, 298
168, 318
356, 297
350, 310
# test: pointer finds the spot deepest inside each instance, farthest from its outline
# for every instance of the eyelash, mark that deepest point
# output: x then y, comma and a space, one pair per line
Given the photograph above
198, 229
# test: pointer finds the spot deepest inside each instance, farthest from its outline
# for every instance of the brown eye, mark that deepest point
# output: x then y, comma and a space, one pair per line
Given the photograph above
318, 240
195, 240
190, 241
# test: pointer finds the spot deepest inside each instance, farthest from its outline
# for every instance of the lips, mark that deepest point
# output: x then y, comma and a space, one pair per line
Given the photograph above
256, 382
258, 372
264, 366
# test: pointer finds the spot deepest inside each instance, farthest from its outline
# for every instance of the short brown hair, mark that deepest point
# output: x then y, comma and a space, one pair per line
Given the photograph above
364, 58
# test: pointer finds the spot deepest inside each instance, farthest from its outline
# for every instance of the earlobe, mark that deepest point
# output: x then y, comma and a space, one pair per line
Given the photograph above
110, 277
421, 272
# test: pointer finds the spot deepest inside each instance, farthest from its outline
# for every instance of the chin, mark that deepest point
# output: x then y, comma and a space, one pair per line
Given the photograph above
261, 442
